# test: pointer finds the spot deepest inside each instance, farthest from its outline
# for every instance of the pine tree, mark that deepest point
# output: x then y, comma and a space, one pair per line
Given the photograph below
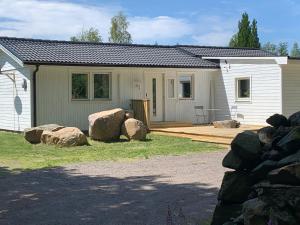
118, 30
244, 32
295, 52
254, 39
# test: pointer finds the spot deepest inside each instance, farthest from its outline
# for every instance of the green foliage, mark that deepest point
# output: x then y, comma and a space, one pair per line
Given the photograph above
90, 35
118, 30
295, 52
247, 35
282, 49
270, 47
16, 153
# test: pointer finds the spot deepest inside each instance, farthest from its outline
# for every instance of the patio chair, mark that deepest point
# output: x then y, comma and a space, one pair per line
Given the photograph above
233, 112
199, 113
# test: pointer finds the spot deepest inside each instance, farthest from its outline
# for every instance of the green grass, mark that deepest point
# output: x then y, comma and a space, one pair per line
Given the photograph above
16, 153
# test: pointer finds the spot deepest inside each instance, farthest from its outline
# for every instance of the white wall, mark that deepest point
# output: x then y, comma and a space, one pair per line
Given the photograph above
266, 90
55, 105
15, 102
291, 87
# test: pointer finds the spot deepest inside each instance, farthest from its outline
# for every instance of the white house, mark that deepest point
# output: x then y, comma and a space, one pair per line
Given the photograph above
43, 81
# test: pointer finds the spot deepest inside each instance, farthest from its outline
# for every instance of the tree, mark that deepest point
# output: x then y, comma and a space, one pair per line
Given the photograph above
254, 39
118, 30
295, 52
90, 35
269, 47
247, 35
282, 49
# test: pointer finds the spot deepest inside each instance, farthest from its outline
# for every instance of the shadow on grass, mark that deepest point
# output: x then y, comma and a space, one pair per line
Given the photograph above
59, 196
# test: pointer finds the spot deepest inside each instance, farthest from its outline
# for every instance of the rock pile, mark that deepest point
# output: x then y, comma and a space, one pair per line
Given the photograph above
226, 124
264, 186
109, 125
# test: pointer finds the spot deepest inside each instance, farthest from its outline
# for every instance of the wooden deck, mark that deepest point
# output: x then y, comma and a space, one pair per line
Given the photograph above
205, 133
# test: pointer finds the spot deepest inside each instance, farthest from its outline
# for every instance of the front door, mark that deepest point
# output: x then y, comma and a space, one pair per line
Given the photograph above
154, 92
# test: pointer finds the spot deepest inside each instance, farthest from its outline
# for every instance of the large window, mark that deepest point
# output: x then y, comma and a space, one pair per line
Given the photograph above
185, 87
171, 88
243, 89
101, 86
80, 86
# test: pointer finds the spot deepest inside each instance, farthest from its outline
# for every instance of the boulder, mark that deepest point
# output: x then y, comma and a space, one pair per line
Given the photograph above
240, 182
106, 125
261, 171
225, 212
289, 174
33, 135
266, 134
233, 161
247, 146
255, 212
129, 114
290, 143
226, 124
291, 159
278, 120
65, 137
294, 119
134, 129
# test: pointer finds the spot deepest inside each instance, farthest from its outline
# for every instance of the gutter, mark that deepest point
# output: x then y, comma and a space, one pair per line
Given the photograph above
34, 95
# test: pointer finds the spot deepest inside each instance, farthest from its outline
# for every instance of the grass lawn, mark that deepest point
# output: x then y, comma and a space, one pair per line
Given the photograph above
16, 153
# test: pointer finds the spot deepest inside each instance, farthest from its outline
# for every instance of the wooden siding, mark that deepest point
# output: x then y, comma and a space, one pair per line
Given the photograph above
55, 105
291, 88
266, 93
15, 103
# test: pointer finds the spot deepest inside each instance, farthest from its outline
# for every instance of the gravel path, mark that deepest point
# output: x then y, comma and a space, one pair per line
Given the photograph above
114, 193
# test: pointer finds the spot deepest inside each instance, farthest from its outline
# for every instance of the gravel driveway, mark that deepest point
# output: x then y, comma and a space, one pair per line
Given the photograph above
114, 193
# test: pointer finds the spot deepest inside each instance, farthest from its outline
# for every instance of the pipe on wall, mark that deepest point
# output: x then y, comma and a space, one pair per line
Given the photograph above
34, 94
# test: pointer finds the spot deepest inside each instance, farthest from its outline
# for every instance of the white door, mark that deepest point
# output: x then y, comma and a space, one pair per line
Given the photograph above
154, 92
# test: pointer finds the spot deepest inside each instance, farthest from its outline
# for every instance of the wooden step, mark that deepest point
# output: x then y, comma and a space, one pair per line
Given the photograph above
156, 125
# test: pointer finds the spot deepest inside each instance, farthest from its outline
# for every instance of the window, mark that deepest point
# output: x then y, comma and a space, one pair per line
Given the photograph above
102, 86
171, 88
185, 86
80, 86
243, 89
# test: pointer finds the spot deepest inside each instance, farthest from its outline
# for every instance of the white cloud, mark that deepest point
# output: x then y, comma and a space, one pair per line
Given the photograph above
213, 38
159, 28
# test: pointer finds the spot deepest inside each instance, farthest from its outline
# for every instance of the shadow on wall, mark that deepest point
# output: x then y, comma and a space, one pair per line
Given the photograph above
57, 196
221, 99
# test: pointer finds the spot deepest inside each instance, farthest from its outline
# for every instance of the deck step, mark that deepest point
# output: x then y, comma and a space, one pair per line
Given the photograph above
156, 125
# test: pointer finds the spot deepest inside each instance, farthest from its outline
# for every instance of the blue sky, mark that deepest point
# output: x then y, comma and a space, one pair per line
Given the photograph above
166, 22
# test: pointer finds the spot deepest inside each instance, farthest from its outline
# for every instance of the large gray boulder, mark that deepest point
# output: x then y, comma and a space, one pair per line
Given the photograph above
233, 161
134, 129
290, 143
289, 174
266, 135
261, 171
226, 124
256, 212
291, 159
278, 120
106, 125
33, 135
294, 119
66, 137
225, 212
247, 146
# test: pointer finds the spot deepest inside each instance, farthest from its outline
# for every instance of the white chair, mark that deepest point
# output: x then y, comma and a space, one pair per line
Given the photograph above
199, 113
233, 112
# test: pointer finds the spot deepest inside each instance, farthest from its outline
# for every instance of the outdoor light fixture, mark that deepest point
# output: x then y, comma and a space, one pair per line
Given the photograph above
24, 84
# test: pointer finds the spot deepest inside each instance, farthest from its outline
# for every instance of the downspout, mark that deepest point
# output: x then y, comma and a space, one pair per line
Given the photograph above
34, 95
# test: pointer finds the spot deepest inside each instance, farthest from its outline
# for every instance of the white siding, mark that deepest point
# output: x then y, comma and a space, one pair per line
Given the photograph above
55, 105
15, 103
291, 88
266, 90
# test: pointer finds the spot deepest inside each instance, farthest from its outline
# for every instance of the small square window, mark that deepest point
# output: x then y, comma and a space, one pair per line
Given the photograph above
243, 89
185, 87
80, 83
171, 88
102, 86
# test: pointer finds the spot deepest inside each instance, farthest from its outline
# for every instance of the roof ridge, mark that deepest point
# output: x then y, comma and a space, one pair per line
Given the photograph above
219, 47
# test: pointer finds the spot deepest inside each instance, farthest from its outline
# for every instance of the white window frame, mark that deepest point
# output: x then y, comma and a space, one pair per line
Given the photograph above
192, 86
93, 86
174, 88
90, 74
237, 98
88, 88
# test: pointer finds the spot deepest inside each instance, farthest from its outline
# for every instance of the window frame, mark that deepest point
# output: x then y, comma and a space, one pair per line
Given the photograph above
88, 86
93, 86
192, 86
174, 88
237, 98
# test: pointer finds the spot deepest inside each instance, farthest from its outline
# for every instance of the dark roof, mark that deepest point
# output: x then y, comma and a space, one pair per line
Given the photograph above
205, 51
33, 51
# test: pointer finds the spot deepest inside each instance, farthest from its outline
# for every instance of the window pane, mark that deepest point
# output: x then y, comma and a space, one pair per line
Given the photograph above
79, 86
171, 88
101, 86
185, 87
244, 88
